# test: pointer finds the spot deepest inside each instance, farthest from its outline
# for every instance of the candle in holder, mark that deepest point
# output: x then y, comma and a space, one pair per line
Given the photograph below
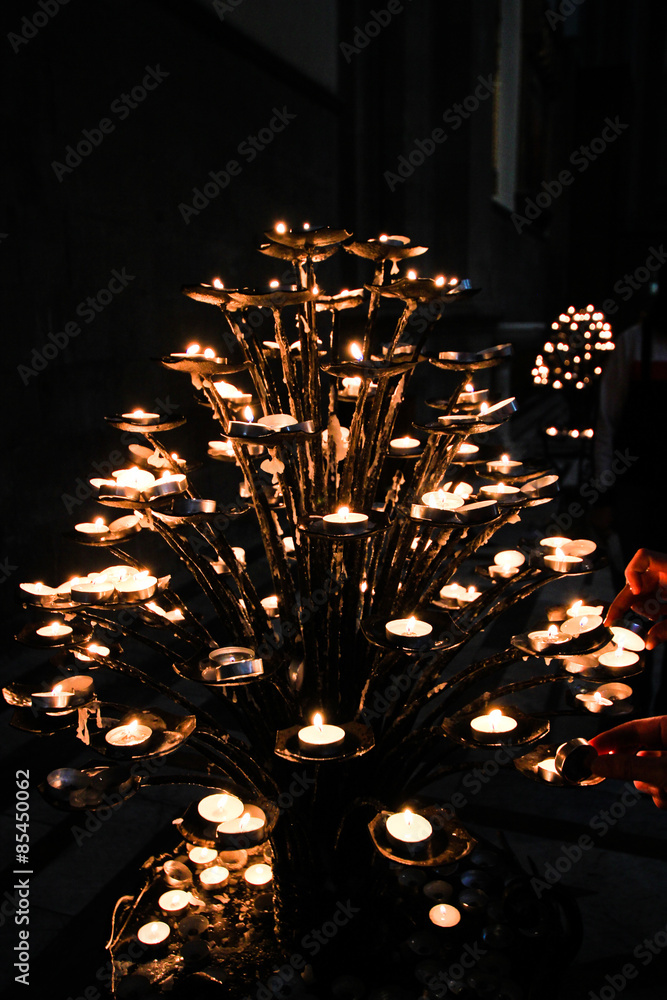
581, 547
137, 479
202, 855
153, 933
619, 658
466, 450
94, 529
443, 500
506, 563
351, 386
579, 608
504, 465
270, 605
344, 522
554, 542
214, 877
408, 829
580, 625
56, 630
547, 769
259, 874
594, 701
628, 639
38, 590
140, 586
277, 421
494, 723
450, 594
471, 395
404, 446
91, 591
444, 915
92, 648
220, 807
319, 740
543, 638
132, 734
249, 828
560, 563
140, 417
501, 492
230, 393
468, 596
174, 901
57, 697
408, 631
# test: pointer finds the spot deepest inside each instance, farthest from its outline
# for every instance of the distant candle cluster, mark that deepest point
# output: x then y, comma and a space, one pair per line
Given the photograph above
573, 358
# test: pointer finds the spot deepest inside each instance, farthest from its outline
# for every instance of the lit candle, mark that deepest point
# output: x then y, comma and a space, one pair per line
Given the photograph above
579, 608
249, 828
444, 915
213, 877
543, 638
351, 386
450, 594
471, 395
174, 901
344, 522
560, 563
628, 639
319, 740
38, 590
222, 448
130, 735
594, 701
467, 596
580, 625
129, 522
153, 933
409, 631
554, 542
57, 697
501, 492
547, 769
140, 586
493, 723
138, 479
54, 631
506, 563
270, 605
442, 500
619, 658
227, 391
220, 807
140, 417
277, 421
466, 450
96, 528
404, 446
92, 648
581, 547
503, 465
258, 874
91, 591
408, 828
202, 855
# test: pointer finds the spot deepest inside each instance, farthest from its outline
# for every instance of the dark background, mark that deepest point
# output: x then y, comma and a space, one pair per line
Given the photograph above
356, 114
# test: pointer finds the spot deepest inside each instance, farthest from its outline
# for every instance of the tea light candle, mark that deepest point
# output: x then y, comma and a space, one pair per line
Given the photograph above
580, 625
54, 631
129, 522
500, 492
506, 563
212, 878
249, 828
220, 807
319, 740
92, 591
466, 450
407, 630
579, 608
472, 395
39, 590
451, 593
57, 697
618, 658
230, 393
493, 723
130, 735
444, 915
139, 586
351, 386
153, 933
404, 446
344, 521
467, 596
137, 479
94, 529
258, 874
270, 605
443, 500
92, 648
581, 547
504, 465
593, 701
277, 421
140, 417
202, 855
408, 828
615, 691
543, 638
560, 563
554, 542
174, 901
626, 638
547, 769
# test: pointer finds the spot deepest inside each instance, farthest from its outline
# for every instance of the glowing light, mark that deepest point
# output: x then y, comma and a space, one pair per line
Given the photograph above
217, 283
440, 280
190, 349
356, 352
412, 275
274, 283
248, 415
281, 228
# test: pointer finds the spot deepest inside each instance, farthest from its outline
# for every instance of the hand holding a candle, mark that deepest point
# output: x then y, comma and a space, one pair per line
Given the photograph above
645, 592
636, 751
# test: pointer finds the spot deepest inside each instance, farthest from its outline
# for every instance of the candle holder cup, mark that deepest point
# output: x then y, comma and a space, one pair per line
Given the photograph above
449, 841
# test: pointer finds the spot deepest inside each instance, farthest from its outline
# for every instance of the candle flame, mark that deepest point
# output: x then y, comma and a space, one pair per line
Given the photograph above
383, 238
209, 353
217, 283
505, 459
620, 648
243, 822
306, 225
316, 289
412, 275
356, 352
597, 697
281, 227
494, 718
133, 727
343, 513
574, 610
469, 387
407, 816
410, 626
483, 407
318, 721
560, 554
137, 413
99, 523
193, 349
552, 631
274, 283
440, 280
584, 621
57, 689
248, 414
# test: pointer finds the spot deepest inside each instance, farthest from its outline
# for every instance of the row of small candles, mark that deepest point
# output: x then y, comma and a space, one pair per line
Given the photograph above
124, 581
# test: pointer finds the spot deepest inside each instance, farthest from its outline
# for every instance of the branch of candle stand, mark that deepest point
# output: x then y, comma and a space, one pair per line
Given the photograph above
450, 769
355, 442
443, 545
94, 615
400, 759
472, 543
259, 369
514, 688
397, 548
378, 450
357, 803
116, 934
313, 386
535, 584
230, 752
408, 309
289, 367
332, 461
373, 306
495, 593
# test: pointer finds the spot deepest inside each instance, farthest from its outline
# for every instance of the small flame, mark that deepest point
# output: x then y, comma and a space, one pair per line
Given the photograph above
248, 414
57, 689
552, 631
597, 697
483, 407
209, 353
281, 227
316, 290
620, 648
243, 822
274, 283
134, 726
343, 513
574, 610
469, 387
193, 349
494, 718
560, 554
318, 721
356, 352
410, 625
504, 459
584, 622
440, 280
217, 283
99, 523
306, 225
383, 238
412, 275
407, 816
137, 413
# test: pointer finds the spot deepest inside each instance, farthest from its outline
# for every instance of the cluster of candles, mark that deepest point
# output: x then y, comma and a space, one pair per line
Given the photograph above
121, 581
572, 360
232, 818
134, 483
563, 555
572, 432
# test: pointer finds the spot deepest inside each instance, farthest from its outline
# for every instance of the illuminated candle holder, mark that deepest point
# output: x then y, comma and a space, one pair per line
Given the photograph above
502, 493
574, 760
506, 564
174, 902
128, 736
468, 361
444, 915
244, 831
405, 447
558, 562
144, 421
408, 831
319, 739
154, 936
72, 692
408, 632
594, 701
539, 764
344, 522
492, 726
213, 878
447, 842
230, 663
302, 743
480, 727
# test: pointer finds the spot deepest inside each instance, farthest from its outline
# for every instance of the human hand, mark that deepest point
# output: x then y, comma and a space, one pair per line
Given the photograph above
636, 751
645, 592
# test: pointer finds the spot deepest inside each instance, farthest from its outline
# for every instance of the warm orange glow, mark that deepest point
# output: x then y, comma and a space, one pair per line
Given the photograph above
281, 227
356, 352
